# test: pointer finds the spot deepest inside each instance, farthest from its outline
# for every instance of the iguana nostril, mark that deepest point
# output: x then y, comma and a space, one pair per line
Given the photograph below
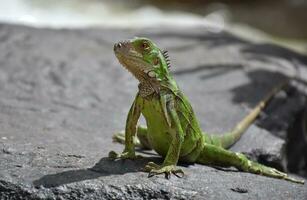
117, 46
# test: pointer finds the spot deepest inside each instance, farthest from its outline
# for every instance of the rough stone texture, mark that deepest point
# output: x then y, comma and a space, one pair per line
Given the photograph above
63, 94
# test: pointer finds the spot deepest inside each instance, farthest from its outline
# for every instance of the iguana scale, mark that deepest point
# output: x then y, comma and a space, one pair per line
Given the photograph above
173, 130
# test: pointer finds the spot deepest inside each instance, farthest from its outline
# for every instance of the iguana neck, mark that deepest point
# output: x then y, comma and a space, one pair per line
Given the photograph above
147, 88
162, 80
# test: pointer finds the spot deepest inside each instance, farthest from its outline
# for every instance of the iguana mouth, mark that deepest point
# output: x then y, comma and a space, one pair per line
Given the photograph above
122, 47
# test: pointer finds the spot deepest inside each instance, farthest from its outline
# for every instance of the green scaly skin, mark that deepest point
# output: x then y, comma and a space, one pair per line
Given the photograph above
172, 128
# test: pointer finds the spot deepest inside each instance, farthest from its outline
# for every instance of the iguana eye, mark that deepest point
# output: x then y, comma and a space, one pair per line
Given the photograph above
145, 45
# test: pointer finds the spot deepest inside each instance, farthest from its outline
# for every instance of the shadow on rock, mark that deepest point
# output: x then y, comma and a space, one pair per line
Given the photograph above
213, 40
216, 70
270, 50
261, 82
105, 167
297, 145
281, 111
268, 53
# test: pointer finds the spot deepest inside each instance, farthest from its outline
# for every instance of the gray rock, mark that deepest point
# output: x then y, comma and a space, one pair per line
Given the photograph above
63, 94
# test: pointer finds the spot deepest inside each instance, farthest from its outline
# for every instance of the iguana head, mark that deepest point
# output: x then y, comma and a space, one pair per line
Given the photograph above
144, 60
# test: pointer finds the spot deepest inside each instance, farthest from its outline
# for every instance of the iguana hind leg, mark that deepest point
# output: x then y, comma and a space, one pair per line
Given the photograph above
218, 156
140, 141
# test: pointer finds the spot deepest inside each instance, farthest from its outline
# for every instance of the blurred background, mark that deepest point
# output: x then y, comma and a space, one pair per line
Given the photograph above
277, 21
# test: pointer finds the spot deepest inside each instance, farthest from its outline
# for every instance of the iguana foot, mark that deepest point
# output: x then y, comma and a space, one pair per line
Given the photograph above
155, 169
125, 155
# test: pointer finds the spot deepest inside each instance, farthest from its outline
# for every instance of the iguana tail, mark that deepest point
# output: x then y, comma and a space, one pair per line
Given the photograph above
228, 139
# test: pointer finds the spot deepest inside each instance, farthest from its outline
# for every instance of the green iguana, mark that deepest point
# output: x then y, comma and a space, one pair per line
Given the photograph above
172, 128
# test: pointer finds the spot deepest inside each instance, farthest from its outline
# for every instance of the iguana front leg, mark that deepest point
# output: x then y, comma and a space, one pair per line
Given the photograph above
131, 125
140, 141
170, 162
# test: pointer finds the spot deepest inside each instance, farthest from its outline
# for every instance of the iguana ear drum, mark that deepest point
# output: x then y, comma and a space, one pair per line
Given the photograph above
151, 74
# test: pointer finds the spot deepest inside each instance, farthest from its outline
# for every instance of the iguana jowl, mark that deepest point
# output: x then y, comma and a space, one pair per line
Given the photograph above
172, 128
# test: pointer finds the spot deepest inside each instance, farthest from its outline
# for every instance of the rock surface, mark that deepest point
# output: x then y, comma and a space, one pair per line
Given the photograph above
63, 94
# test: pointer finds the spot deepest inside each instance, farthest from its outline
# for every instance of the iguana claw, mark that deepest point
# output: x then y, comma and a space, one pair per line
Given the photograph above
155, 169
